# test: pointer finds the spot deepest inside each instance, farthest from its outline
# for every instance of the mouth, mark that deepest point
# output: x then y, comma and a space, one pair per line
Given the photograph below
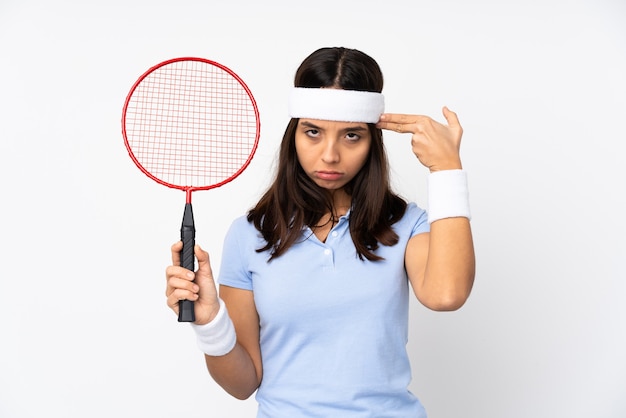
328, 175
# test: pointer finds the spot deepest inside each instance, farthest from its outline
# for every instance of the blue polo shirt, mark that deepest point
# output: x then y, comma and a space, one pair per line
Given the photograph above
334, 328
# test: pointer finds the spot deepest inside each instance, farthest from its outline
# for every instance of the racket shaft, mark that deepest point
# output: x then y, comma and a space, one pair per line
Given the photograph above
188, 236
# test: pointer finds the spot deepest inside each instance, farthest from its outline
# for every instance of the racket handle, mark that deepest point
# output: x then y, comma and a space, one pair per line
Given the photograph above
186, 311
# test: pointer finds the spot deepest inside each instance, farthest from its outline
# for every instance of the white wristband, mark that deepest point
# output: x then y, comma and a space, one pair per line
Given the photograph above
218, 337
448, 195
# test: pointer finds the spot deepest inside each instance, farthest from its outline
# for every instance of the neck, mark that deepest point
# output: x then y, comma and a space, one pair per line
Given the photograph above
342, 202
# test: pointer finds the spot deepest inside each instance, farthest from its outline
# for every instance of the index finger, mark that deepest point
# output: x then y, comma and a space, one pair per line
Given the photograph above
399, 122
399, 118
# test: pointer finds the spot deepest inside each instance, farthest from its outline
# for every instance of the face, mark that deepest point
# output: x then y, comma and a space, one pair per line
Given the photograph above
332, 153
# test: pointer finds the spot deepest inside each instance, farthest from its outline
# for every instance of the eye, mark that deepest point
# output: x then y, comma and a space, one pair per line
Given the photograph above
352, 137
312, 133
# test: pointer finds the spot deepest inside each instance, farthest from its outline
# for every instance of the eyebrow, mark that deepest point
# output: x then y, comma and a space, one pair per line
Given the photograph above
355, 128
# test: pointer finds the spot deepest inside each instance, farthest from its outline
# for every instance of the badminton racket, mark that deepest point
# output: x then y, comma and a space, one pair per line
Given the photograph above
190, 124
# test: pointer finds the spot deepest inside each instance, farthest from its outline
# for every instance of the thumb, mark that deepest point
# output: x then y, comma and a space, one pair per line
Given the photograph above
207, 304
204, 275
204, 262
451, 117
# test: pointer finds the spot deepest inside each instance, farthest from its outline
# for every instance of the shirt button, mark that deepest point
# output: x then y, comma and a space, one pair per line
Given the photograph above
327, 251
334, 233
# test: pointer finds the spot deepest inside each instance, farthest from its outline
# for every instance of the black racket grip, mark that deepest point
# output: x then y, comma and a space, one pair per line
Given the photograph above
186, 311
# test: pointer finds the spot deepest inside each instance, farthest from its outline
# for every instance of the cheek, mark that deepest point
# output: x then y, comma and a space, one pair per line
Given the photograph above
303, 154
298, 147
360, 165
360, 159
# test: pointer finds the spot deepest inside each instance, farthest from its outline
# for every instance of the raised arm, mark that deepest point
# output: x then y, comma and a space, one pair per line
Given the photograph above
440, 264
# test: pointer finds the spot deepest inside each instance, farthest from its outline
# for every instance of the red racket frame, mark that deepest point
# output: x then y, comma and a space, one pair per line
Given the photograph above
189, 189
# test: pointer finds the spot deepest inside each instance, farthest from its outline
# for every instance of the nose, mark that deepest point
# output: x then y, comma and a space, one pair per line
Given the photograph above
330, 153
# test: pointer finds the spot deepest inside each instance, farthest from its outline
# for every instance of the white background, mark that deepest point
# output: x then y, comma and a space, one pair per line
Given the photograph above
539, 86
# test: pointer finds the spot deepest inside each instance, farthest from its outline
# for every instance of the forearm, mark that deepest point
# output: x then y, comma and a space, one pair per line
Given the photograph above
450, 266
235, 372
232, 354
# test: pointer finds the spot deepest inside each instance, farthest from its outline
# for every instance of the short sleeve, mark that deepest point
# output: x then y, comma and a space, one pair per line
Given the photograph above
234, 270
418, 218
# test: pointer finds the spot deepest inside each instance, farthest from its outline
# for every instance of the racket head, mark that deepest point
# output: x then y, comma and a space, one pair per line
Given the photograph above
191, 124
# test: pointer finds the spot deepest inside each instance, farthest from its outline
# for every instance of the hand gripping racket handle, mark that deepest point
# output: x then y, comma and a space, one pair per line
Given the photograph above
188, 236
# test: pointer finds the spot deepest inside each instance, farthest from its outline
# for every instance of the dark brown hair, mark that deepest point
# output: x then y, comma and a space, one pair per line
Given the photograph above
294, 201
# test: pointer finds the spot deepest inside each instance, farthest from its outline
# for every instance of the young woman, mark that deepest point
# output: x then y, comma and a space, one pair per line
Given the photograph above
312, 310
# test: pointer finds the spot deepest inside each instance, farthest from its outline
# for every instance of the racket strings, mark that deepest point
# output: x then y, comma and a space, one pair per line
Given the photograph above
190, 123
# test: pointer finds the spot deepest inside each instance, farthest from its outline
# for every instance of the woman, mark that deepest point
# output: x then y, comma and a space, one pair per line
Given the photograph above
312, 311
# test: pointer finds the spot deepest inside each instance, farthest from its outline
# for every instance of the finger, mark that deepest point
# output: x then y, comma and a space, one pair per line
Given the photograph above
393, 125
179, 278
403, 123
451, 117
174, 283
400, 118
204, 274
176, 249
202, 257
178, 271
178, 295
396, 127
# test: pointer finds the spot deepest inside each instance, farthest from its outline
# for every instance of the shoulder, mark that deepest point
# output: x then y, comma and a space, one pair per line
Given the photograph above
241, 222
415, 219
242, 229
239, 249
413, 210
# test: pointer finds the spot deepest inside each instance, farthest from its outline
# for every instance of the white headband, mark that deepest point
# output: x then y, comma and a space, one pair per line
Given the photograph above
336, 104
